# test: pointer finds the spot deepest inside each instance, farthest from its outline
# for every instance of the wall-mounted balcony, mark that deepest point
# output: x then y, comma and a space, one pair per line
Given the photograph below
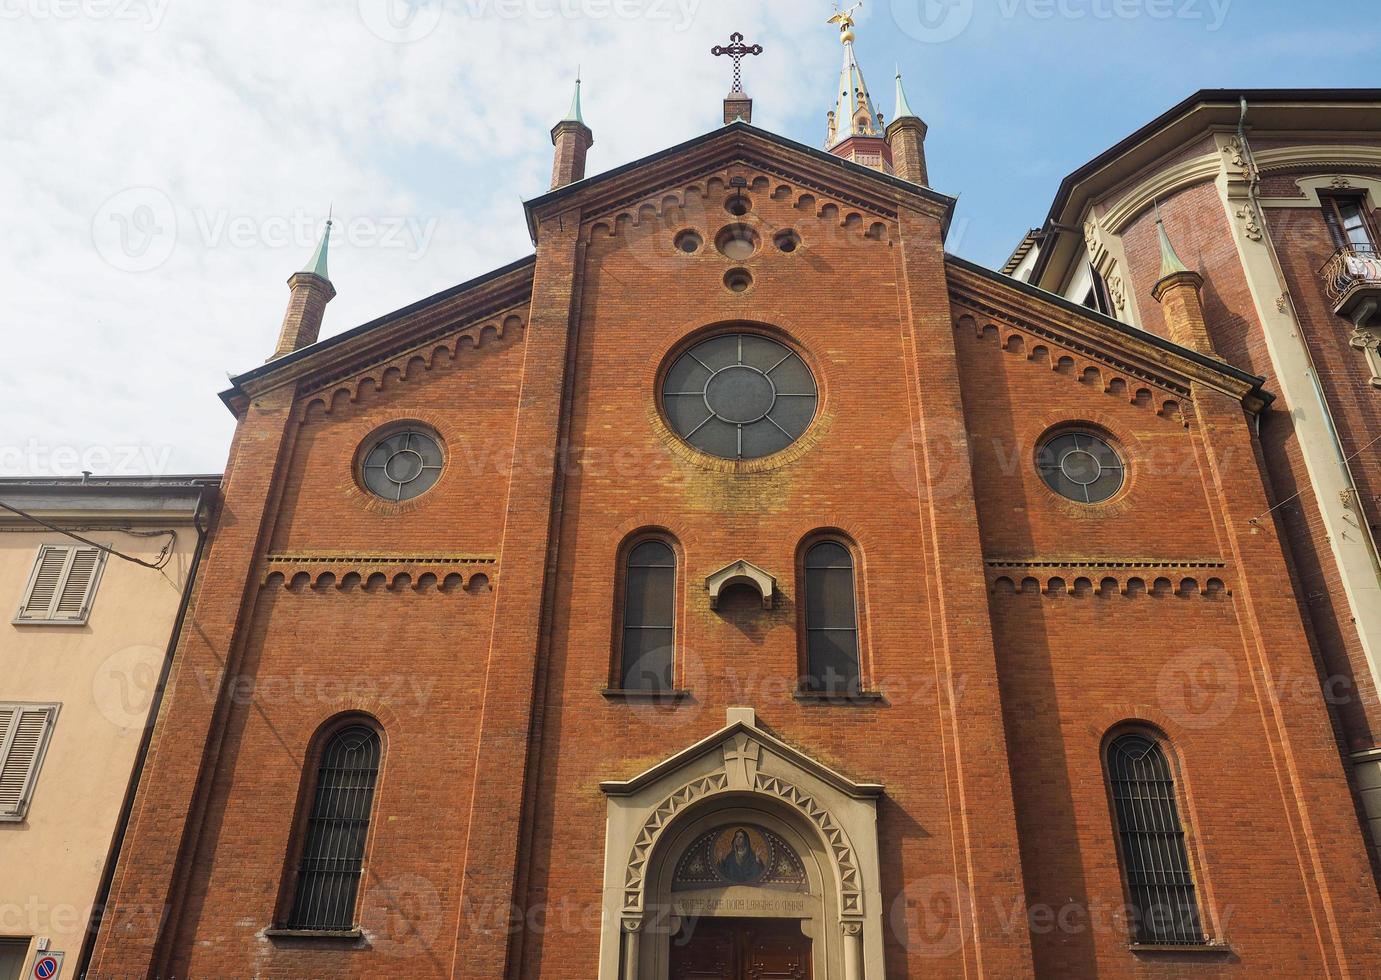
1352, 279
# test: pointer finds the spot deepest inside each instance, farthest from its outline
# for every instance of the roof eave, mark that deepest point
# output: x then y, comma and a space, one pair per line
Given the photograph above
1199, 99
135, 498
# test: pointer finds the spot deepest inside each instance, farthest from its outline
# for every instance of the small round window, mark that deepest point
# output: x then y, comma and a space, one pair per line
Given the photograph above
739, 396
1081, 466
402, 465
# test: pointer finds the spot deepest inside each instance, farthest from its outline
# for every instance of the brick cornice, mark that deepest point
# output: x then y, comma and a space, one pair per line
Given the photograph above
1146, 356
403, 331
742, 145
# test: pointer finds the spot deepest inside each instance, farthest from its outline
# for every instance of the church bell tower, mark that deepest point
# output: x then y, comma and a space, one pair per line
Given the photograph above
855, 128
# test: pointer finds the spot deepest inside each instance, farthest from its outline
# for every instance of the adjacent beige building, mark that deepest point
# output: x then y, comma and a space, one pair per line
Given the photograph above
93, 577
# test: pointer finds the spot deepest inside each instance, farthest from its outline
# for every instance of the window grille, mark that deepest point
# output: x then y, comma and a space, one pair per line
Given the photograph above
332, 861
1163, 900
740, 396
831, 620
1081, 466
649, 618
403, 465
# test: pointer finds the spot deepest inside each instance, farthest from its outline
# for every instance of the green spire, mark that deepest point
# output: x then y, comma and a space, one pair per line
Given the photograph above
903, 107
1169, 262
573, 114
317, 265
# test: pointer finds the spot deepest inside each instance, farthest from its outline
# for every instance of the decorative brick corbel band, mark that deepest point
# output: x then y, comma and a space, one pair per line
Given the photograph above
1045, 349
702, 197
1103, 579
381, 573
445, 345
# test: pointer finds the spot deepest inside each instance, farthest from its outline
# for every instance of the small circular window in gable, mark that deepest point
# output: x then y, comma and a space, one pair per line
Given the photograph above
402, 465
1081, 466
739, 396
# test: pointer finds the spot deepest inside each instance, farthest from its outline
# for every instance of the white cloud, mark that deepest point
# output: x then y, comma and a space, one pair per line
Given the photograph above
243, 121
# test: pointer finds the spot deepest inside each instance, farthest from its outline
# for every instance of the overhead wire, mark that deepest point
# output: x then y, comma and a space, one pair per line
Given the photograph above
164, 554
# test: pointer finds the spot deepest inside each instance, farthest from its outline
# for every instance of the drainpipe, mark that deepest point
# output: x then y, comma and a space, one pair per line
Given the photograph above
201, 520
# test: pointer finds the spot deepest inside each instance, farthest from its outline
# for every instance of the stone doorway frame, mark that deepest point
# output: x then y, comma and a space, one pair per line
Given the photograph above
742, 769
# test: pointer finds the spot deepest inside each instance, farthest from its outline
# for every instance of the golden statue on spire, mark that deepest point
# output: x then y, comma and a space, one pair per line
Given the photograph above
845, 20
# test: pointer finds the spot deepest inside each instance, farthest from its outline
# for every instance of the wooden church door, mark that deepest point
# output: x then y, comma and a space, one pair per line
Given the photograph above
740, 949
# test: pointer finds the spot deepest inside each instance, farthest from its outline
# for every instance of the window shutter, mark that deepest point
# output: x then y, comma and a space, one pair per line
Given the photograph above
24, 731
75, 598
61, 587
47, 580
1330, 217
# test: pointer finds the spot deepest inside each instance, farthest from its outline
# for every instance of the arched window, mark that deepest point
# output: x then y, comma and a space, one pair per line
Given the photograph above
649, 618
831, 620
1160, 885
332, 861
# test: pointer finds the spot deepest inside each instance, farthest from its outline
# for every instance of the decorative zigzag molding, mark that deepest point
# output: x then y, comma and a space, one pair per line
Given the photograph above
851, 891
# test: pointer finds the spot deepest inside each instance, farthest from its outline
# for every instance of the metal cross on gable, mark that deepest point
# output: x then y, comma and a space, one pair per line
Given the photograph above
737, 50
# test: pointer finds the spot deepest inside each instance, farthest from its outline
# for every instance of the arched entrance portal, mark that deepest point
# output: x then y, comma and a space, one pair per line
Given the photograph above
740, 857
738, 888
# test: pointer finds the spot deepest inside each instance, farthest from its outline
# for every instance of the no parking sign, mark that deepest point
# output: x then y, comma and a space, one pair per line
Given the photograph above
47, 965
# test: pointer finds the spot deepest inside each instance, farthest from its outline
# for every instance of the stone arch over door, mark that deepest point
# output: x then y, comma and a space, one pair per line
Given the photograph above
741, 775
816, 906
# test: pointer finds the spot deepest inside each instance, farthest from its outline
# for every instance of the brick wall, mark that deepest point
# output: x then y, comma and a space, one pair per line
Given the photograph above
995, 701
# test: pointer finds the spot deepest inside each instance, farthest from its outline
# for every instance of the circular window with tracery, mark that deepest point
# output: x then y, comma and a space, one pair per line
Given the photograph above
1081, 466
739, 396
402, 465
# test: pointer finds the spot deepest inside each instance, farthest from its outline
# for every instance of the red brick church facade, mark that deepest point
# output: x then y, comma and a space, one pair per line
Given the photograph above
501, 665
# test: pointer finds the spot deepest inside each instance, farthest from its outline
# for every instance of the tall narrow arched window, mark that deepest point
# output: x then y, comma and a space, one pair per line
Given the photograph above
1160, 886
649, 618
332, 861
831, 620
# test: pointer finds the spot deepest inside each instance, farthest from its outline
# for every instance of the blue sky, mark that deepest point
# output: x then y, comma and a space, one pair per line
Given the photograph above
168, 163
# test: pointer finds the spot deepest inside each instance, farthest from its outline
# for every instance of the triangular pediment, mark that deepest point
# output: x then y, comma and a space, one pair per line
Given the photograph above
626, 192
733, 749
741, 572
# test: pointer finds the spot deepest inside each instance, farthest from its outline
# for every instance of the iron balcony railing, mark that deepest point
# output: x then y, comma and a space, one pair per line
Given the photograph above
1351, 270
